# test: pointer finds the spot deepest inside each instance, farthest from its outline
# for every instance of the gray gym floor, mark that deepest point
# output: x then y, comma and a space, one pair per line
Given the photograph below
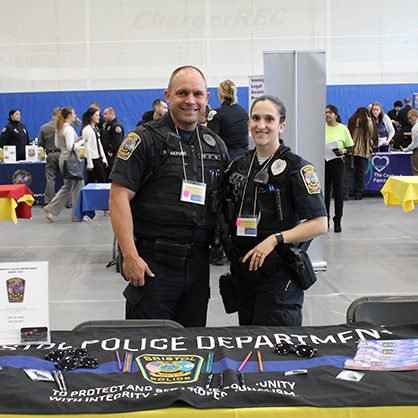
376, 254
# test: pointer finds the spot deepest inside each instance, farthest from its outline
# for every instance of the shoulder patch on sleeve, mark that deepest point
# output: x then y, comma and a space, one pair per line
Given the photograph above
131, 141
4, 129
310, 178
118, 129
212, 114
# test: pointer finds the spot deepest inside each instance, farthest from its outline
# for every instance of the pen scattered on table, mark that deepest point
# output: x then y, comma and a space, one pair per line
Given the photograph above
245, 361
119, 362
241, 379
209, 381
221, 380
209, 363
59, 379
127, 367
260, 363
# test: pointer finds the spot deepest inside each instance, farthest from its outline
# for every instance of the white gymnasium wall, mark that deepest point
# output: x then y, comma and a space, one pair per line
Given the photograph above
57, 45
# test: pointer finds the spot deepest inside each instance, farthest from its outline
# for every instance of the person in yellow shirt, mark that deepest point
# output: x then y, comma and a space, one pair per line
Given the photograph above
334, 169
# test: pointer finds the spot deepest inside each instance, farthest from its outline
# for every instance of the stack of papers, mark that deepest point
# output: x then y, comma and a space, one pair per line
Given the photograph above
385, 355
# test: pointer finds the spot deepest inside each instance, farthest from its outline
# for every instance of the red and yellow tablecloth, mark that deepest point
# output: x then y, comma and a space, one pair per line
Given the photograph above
401, 191
15, 202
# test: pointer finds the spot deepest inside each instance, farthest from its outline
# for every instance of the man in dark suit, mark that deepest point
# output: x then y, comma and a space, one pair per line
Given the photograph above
402, 138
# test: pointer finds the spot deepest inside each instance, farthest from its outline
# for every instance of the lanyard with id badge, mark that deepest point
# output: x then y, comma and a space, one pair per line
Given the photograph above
193, 191
247, 224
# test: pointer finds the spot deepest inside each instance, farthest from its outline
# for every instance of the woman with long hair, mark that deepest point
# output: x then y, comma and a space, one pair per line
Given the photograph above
334, 169
93, 151
230, 121
66, 139
384, 127
364, 136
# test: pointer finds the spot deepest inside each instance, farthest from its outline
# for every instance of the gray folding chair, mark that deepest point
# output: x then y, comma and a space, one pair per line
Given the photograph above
128, 323
384, 310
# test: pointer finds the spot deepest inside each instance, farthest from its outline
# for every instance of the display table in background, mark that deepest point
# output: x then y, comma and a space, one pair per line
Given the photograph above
94, 196
383, 165
16, 201
401, 191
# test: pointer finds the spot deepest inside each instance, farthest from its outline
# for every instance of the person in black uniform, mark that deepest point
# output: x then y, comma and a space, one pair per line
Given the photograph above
111, 135
162, 202
277, 200
402, 137
15, 133
230, 120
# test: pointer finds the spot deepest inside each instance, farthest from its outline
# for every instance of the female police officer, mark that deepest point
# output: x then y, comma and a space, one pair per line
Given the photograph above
276, 200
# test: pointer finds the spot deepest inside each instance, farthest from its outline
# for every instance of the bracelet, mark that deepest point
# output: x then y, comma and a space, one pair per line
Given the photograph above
279, 238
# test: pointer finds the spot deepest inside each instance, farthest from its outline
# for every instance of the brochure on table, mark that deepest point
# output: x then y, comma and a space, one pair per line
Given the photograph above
32, 153
24, 303
9, 153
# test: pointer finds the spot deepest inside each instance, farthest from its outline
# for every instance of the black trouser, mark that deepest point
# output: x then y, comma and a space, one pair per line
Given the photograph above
359, 167
98, 173
334, 177
177, 293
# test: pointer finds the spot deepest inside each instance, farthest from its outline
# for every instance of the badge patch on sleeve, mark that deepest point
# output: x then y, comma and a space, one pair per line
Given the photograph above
310, 178
131, 141
118, 129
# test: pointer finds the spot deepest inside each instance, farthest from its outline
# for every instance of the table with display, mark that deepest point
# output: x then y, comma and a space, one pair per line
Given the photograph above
383, 165
93, 196
16, 201
168, 375
401, 191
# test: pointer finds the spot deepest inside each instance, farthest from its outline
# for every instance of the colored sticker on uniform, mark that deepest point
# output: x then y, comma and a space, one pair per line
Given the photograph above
212, 115
118, 129
209, 139
163, 369
310, 178
278, 167
131, 141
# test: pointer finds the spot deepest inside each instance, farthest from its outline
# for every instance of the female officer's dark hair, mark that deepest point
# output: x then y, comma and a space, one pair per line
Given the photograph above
334, 109
275, 100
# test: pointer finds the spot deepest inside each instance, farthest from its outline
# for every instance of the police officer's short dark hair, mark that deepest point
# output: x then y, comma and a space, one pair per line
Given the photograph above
398, 103
276, 101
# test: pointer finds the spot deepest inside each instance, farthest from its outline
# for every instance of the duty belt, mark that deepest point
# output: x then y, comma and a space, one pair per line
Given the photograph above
170, 252
52, 150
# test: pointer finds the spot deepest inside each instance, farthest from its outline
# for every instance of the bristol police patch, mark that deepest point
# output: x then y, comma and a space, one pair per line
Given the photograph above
212, 114
310, 178
131, 141
118, 129
172, 368
16, 289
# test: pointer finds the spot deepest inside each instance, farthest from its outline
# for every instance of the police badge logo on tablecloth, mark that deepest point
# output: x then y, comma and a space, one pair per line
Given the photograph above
310, 178
163, 369
278, 167
22, 177
209, 139
131, 141
16, 289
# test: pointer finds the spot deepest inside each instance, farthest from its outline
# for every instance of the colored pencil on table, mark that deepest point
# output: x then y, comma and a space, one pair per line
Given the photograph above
260, 363
245, 361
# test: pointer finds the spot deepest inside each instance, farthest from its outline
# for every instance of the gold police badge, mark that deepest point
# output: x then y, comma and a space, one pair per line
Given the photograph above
171, 368
310, 178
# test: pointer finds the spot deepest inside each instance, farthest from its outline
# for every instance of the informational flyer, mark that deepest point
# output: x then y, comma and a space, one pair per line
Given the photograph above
32, 153
9, 153
24, 303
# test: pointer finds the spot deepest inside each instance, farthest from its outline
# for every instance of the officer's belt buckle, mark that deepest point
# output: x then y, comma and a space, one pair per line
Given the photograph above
173, 248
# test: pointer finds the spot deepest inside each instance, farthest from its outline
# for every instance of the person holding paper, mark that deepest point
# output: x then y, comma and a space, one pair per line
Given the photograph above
334, 169
273, 197
15, 133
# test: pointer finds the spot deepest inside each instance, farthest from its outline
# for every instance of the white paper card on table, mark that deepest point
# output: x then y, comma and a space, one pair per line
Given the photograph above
31, 153
24, 302
9, 153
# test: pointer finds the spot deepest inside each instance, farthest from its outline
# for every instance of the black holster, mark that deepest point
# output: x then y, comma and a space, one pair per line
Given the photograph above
298, 260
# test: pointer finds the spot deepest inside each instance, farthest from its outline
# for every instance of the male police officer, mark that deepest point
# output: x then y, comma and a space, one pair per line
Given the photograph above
162, 202
111, 135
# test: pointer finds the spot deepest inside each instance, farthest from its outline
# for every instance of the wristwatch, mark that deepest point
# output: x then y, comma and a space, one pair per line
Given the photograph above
279, 238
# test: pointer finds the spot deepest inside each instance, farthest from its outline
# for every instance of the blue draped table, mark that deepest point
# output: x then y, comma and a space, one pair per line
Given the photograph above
94, 196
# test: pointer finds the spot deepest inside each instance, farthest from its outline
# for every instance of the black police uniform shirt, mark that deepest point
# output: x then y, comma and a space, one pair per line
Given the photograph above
304, 191
130, 171
230, 122
15, 133
111, 136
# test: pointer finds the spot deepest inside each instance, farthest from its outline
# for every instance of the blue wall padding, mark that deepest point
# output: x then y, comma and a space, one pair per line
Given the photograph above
36, 108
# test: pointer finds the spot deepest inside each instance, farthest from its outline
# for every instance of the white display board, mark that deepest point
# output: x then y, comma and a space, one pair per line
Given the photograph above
24, 303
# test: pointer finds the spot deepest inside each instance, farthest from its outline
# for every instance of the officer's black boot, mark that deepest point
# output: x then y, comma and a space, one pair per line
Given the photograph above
337, 225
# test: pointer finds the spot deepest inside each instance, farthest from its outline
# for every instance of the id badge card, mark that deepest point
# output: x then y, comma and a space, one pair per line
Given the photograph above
193, 192
247, 227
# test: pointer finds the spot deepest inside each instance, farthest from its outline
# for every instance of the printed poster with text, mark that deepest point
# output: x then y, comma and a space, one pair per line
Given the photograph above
24, 303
